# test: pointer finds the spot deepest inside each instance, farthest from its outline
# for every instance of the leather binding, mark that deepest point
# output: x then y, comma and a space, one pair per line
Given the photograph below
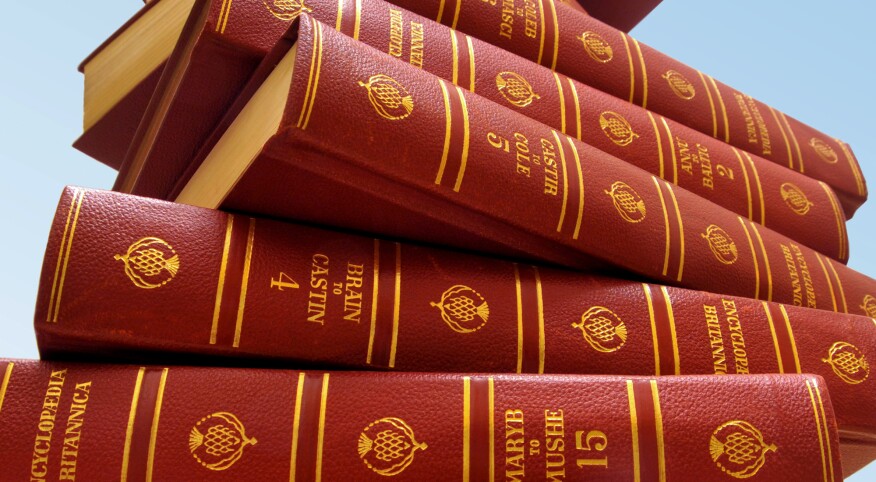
100, 422
127, 277
586, 49
751, 186
451, 148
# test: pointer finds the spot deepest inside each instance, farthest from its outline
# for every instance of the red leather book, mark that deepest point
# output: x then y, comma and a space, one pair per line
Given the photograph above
106, 422
772, 195
127, 278
454, 147
586, 49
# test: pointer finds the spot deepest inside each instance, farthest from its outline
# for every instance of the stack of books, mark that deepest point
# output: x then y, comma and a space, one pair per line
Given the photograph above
440, 240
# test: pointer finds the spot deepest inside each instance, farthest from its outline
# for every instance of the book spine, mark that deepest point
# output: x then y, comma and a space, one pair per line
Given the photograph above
63, 421
587, 50
461, 148
175, 280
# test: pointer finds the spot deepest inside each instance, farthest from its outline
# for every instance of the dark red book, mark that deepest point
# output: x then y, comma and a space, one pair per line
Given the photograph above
62, 421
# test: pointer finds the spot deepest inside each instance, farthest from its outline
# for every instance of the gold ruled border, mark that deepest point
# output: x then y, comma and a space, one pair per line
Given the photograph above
666, 225
634, 428
747, 183
754, 257
556, 34
5, 385
658, 422
318, 47
466, 429
492, 408
794, 140
562, 103
680, 230
440, 11
217, 307
454, 55
856, 169
766, 261
840, 220
659, 144
67, 256
672, 150
644, 73
296, 424
723, 108
247, 263
829, 282
357, 23
541, 37
826, 429
465, 140
455, 14
340, 15
766, 309
224, 13
632, 72
817, 418
759, 189
129, 432
672, 332
784, 137
647, 289
791, 337
374, 291
61, 255
711, 105
395, 309
309, 89
448, 123
320, 440
565, 179
519, 292
580, 189
471, 63
153, 436
577, 108
540, 301
839, 284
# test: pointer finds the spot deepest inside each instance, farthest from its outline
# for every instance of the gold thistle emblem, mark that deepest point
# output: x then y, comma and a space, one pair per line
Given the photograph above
463, 309
387, 446
286, 10
150, 263
515, 89
738, 449
721, 244
217, 441
627, 201
616, 128
869, 306
602, 329
848, 362
596, 47
389, 98
824, 151
680, 85
795, 198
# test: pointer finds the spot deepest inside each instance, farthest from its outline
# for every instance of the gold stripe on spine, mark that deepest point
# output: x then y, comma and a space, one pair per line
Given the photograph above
723, 108
747, 182
829, 282
647, 289
766, 261
296, 424
644, 73
672, 150
440, 11
766, 309
61, 254
562, 103
784, 137
126, 454
492, 408
632, 72
466, 428
754, 259
447, 125
840, 221
465, 140
658, 422
791, 338
227, 14
580, 190
556, 34
320, 439
659, 144
455, 14
471, 63
634, 428
356, 24
247, 263
759, 188
340, 15
395, 308
680, 230
565, 179
711, 105
224, 12
672, 331
577, 108
794, 140
153, 436
538, 292
817, 418
67, 255
519, 319
217, 307
665, 224
856, 169
454, 56
5, 385
826, 429
374, 292
318, 46
839, 284
308, 90
541, 37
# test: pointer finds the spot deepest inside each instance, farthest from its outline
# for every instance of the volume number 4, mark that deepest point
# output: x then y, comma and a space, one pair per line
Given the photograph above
283, 281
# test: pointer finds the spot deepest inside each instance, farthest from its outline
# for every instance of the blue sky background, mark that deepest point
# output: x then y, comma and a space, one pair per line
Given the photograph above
810, 59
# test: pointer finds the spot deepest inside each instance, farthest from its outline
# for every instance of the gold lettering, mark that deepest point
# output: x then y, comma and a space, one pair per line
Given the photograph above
417, 44
555, 445
594, 440
765, 143
551, 175
796, 287
688, 157
807, 276
737, 340
353, 295
46, 425
73, 433
530, 14
514, 445
316, 300
396, 33
716, 340
750, 128
507, 19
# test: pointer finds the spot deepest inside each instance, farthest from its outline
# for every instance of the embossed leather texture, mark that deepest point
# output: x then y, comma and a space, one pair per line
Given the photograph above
128, 278
102, 422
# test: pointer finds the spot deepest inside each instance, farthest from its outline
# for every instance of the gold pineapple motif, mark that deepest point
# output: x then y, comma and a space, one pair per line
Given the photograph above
392, 447
217, 441
738, 448
602, 329
680, 85
463, 309
596, 47
617, 128
795, 198
824, 151
388, 97
150, 263
515, 89
848, 362
627, 201
721, 244
286, 10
